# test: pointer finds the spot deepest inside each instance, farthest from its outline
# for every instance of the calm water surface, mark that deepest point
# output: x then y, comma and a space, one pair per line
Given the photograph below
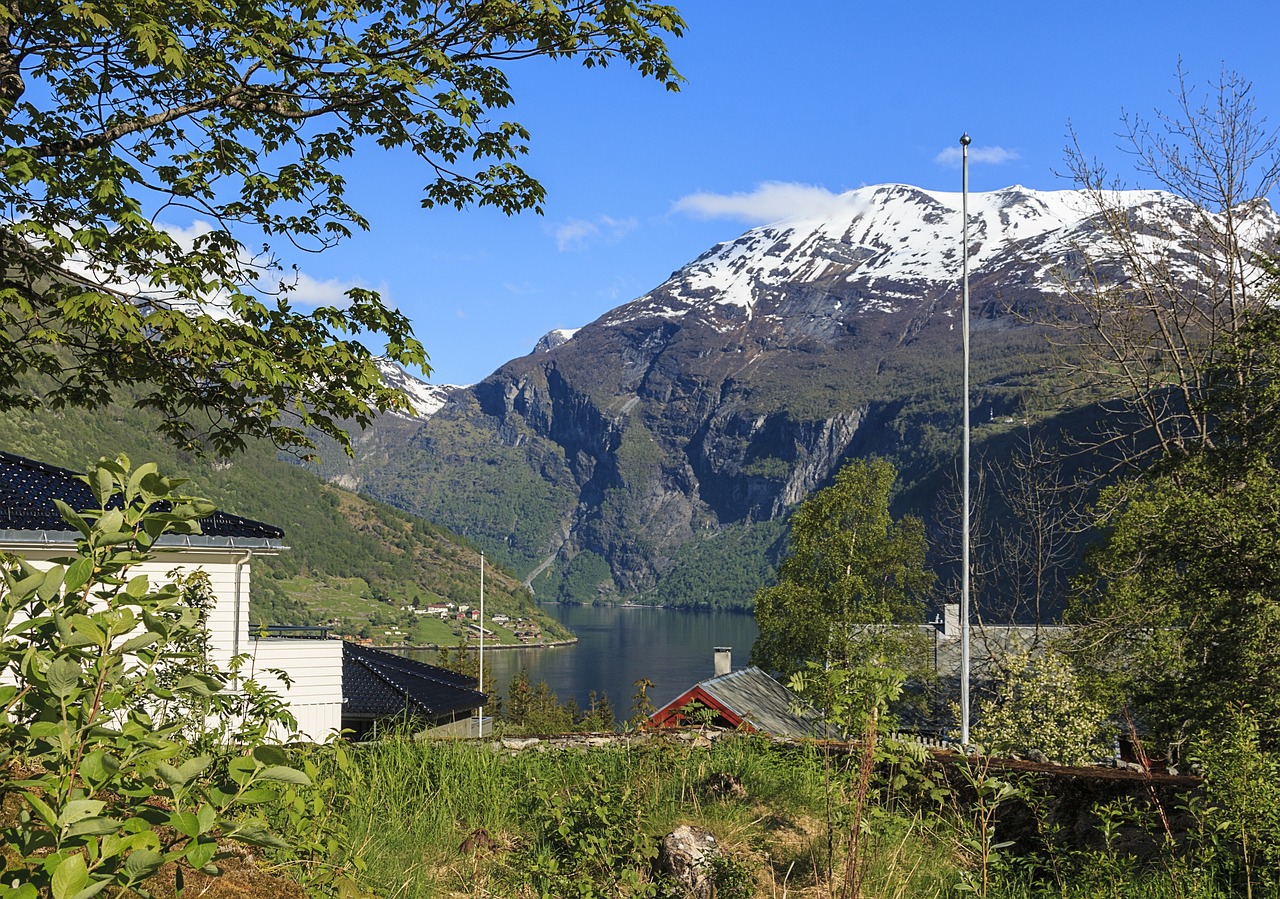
618, 646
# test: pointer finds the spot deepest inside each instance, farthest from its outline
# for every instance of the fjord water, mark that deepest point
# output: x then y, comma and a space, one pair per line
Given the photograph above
619, 645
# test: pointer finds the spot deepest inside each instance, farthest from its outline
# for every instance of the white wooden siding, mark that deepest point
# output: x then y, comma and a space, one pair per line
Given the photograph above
315, 669
315, 666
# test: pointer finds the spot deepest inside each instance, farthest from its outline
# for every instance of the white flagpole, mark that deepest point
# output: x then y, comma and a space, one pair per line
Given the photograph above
481, 641
964, 550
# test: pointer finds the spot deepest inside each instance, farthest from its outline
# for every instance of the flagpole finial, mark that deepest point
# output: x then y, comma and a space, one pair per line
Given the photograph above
965, 139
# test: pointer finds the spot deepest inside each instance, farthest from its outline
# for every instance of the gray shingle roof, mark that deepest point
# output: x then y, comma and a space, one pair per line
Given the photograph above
765, 704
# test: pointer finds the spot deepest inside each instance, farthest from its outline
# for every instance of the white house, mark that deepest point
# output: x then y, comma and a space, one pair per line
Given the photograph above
30, 526
377, 685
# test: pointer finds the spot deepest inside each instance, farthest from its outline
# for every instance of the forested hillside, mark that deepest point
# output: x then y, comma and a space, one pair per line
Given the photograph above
350, 558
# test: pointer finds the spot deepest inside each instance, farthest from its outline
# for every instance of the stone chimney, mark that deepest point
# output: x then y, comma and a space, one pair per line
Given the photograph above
951, 620
724, 660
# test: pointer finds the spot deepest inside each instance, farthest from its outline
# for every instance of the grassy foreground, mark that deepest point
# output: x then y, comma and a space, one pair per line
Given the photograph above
447, 819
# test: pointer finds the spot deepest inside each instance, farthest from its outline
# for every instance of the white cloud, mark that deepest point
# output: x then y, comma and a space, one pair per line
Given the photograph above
520, 288
299, 288
769, 202
575, 233
307, 291
951, 156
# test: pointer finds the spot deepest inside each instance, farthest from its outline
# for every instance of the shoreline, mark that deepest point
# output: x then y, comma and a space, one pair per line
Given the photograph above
436, 647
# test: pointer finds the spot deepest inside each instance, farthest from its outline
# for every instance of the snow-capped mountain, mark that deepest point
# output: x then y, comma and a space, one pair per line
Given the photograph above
725, 395
553, 339
427, 399
895, 243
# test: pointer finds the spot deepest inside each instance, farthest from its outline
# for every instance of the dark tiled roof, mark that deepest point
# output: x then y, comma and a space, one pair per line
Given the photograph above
379, 684
28, 489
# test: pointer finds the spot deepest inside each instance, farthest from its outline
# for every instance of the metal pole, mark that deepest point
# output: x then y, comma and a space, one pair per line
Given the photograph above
964, 549
481, 734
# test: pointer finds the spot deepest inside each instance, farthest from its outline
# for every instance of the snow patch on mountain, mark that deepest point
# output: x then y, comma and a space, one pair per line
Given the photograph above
553, 339
426, 399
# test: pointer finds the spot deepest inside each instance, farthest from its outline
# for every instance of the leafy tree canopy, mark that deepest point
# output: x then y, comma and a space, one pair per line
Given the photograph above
1182, 600
851, 571
117, 114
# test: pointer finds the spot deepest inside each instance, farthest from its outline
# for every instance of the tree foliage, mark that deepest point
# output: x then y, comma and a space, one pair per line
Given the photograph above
116, 116
535, 708
1182, 600
1041, 707
851, 574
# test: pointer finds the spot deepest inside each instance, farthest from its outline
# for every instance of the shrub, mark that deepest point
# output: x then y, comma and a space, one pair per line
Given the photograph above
99, 688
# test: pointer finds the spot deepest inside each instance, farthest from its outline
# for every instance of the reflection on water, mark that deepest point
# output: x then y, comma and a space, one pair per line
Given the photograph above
618, 646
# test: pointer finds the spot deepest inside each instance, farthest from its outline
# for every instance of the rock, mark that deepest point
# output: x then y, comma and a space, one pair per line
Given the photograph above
724, 786
518, 743
685, 857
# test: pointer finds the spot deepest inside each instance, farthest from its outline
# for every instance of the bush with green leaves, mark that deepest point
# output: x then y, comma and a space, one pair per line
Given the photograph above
1041, 706
99, 782
593, 843
1239, 808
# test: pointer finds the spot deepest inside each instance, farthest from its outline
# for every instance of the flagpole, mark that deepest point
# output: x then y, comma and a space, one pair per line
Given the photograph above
964, 549
481, 640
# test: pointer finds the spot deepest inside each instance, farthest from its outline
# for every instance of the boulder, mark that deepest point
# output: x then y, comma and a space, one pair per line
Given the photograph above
686, 856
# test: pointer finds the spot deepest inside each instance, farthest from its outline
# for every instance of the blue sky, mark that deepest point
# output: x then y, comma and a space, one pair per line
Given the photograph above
784, 104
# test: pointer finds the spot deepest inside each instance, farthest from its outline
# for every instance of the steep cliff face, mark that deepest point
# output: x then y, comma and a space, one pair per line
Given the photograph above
728, 393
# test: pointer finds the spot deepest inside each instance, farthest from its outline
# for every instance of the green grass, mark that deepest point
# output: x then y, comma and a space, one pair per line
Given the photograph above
409, 807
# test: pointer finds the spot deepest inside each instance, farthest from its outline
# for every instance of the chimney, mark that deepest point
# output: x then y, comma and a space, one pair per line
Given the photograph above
724, 660
951, 619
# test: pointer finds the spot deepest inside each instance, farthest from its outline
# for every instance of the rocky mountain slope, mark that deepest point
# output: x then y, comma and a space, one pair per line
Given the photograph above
662, 443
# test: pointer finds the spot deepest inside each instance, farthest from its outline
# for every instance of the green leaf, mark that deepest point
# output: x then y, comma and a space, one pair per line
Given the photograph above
79, 809
70, 877
78, 574
201, 852
270, 755
142, 863
42, 809
94, 827
200, 684
71, 517
52, 584
133, 644
98, 767
145, 470
241, 769
170, 775
257, 835
185, 823
93, 889
85, 631
191, 767
207, 817
111, 524
64, 677
284, 774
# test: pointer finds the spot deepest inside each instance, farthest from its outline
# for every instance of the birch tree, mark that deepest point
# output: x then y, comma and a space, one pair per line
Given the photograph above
1176, 279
